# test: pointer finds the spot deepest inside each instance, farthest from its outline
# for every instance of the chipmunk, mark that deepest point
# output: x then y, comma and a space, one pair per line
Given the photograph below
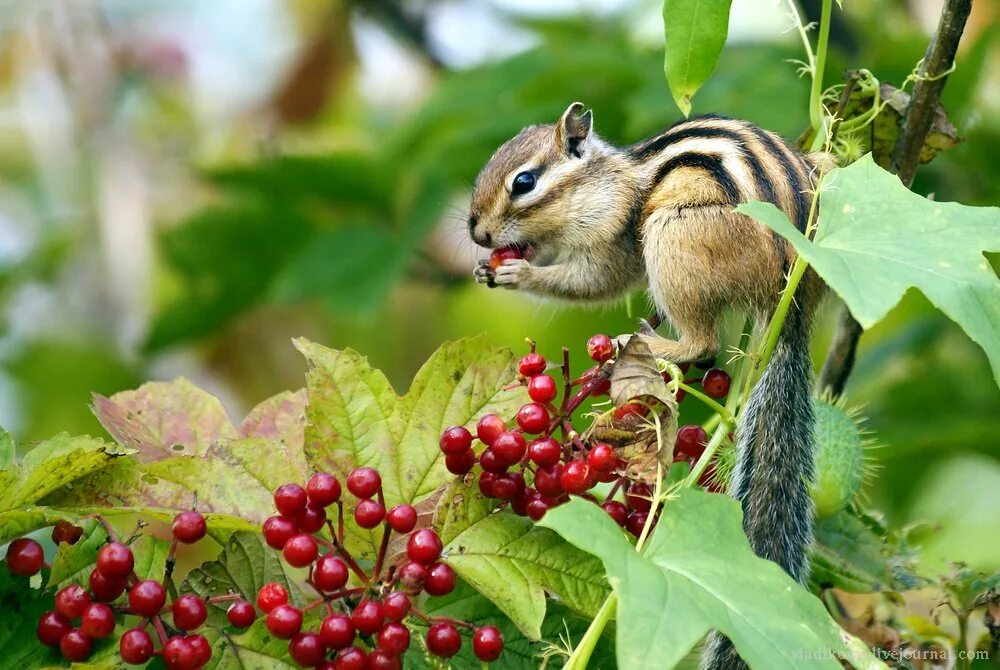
597, 220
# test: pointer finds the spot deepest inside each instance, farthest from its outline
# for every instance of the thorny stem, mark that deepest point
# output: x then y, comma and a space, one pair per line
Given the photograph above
723, 413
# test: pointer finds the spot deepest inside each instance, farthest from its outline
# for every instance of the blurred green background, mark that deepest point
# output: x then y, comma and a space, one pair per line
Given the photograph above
186, 186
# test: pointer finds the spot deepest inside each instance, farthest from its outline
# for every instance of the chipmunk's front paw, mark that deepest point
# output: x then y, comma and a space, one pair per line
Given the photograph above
484, 274
513, 273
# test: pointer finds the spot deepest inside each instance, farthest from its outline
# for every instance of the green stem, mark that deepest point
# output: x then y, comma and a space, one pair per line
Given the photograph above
723, 413
778, 319
581, 655
706, 457
963, 644
817, 116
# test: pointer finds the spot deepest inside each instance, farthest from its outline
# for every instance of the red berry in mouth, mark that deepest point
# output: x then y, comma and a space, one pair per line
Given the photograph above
25, 557
600, 348
136, 646
306, 649
616, 510
531, 365
323, 489
489, 427
189, 612
115, 560
440, 580
351, 658
575, 477
369, 513
602, 458
66, 532
460, 464
278, 530
368, 616
189, 527
290, 499
147, 598
498, 256
105, 588
548, 481
396, 606
284, 622
51, 628
443, 640
337, 631
330, 573
311, 519
542, 388
715, 383
424, 546
491, 462
412, 575
639, 497
300, 550
455, 440
402, 518
533, 418
544, 451
270, 596
241, 614
509, 448
75, 645
72, 600
364, 482
394, 638
487, 643
691, 441
179, 654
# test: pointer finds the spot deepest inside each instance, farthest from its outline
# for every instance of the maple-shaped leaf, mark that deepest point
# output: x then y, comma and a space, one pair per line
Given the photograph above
876, 239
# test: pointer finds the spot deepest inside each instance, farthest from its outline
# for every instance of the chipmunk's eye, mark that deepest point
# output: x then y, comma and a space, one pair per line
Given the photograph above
523, 182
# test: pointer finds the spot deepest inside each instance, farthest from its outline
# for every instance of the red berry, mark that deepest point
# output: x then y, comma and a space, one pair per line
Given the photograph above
337, 631
491, 462
691, 441
364, 482
487, 643
179, 654
548, 481
440, 580
536, 508
311, 519
443, 640
715, 383
290, 499
498, 256
402, 518
270, 596
72, 600
306, 649
66, 532
147, 598
509, 447
351, 658
241, 614
189, 527
25, 557
639, 497
284, 621
329, 573
505, 487
489, 427
135, 646
424, 546
277, 530
544, 451
412, 575
531, 365
51, 628
202, 650
382, 660
368, 616
486, 481
635, 522
542, 388
394, 638
396, 606
600, 348
369, 513
323, 489
189, 612
105, 588
300, 550
533, 418
602, 458
631, 409
115, 560
75, 645
455, 440
575, 477
460, 464
616, 510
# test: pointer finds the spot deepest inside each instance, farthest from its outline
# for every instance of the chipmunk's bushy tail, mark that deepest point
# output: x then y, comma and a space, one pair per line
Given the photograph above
775, 451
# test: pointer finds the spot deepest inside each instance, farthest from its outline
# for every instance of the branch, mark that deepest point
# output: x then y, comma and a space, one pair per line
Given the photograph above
412, 30
932, 75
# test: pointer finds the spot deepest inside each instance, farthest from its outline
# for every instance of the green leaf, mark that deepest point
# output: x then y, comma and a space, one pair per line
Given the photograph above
461, 505
7, 453
514, 564
695, 32
22, 606
876, 239
75, 562
698, 573
255, 649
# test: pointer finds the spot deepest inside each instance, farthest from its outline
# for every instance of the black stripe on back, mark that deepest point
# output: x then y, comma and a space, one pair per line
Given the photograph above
709, 162
657, 144
785, 156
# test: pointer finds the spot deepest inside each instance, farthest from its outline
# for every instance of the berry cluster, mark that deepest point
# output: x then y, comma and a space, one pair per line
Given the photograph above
365, 625
523, 464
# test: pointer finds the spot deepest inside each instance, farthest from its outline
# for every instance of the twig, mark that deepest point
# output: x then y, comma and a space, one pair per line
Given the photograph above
411, 29
932, 75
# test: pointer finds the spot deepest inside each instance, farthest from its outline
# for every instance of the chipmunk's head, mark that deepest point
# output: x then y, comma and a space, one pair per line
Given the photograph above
529, 190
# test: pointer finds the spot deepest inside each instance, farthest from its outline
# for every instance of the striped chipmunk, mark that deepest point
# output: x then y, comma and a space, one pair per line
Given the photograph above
594, 220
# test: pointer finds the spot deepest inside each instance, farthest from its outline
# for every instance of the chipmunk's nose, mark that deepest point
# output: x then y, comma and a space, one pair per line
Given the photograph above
482, 239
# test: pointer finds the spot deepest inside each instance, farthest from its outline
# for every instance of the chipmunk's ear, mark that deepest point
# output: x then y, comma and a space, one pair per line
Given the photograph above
573, 129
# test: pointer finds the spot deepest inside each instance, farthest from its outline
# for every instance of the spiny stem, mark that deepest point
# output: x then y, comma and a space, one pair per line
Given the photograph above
721, 411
